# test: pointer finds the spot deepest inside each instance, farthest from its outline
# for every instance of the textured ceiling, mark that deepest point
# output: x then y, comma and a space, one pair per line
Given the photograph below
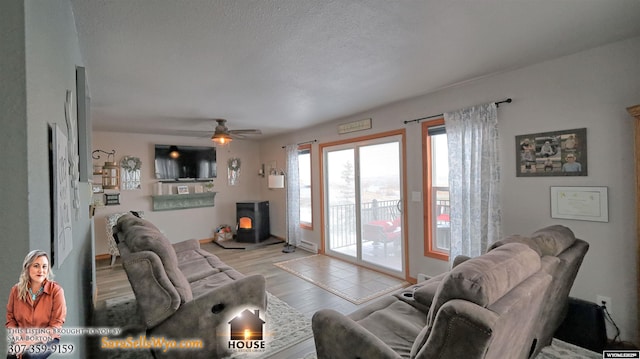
170, 67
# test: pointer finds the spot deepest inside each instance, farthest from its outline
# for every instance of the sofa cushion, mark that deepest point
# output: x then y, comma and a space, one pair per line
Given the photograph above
396, 323
197, 264
142, 235
517, 239
197, 269
553, 240
209, 283
483, 280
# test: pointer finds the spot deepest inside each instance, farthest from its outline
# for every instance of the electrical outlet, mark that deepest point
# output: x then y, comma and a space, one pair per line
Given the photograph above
602, 300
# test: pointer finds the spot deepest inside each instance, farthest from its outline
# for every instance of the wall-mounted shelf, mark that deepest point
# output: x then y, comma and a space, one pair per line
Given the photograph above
181, 201
186, 180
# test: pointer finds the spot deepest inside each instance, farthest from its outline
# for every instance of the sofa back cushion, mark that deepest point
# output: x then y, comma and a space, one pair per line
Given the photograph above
516, 238
553, 240
141, 235
483, 280
548, 241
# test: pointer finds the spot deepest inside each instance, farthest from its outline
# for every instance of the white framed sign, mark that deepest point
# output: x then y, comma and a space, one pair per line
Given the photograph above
62, 230
354, 126
580, 203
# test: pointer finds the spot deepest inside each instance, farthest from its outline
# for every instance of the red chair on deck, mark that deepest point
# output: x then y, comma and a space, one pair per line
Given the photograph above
382, 231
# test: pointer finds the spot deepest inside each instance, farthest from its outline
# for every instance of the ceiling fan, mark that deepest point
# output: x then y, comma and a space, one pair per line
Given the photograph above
224, 135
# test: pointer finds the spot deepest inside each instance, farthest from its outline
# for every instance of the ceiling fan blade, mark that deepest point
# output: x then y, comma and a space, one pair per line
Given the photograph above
246, 132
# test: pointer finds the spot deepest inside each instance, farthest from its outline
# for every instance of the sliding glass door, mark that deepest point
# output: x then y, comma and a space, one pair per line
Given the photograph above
363, 202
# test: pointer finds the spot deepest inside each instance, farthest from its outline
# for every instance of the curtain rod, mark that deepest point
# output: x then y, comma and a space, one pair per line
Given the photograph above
442, 114
303, 143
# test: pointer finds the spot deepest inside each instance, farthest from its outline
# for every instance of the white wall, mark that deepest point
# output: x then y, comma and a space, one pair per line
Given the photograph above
198, 223
590, 89
41, 42
13, 138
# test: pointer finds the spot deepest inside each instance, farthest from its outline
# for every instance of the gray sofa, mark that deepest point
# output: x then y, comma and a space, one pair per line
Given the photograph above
561, 255
485, 307
182, 291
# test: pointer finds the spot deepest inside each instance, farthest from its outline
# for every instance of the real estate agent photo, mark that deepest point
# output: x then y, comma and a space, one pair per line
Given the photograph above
36, 308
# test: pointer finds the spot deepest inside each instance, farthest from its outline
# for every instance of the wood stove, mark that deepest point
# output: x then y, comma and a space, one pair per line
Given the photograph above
252, 218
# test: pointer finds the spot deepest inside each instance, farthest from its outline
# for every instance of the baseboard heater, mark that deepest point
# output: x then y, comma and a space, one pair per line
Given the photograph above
308, 246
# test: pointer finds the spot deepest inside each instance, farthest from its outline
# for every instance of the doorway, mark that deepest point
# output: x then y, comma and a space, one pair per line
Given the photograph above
363, 189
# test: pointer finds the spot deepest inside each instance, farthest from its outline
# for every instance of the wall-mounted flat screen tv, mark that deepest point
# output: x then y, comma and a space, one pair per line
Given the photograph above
185, 162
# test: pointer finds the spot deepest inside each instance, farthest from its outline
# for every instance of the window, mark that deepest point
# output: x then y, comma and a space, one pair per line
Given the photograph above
436, 189
304, 172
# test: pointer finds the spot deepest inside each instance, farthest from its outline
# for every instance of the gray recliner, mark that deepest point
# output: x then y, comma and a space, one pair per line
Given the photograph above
182, 291
485, 307
561, 255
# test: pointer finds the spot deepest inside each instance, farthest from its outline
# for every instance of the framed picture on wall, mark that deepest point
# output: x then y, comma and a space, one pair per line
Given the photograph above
580, 203
60, 182
558, 153
183, 189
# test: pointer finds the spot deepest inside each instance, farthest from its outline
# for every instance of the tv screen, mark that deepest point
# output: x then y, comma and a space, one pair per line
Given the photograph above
185, 162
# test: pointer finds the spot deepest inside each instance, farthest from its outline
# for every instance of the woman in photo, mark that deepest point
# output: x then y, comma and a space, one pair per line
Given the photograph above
36, 301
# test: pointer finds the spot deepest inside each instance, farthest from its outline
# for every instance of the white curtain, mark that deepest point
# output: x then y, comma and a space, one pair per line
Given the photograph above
293, 196
474, 179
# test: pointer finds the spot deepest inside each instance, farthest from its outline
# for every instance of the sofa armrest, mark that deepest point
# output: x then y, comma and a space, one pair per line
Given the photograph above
157, 297
207, 314
189, 244
461, 330
337, 336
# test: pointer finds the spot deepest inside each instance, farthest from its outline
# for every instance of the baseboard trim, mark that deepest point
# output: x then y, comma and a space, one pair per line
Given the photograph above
103, 256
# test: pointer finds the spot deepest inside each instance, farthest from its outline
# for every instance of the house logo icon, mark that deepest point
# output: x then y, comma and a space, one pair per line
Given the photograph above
246, 332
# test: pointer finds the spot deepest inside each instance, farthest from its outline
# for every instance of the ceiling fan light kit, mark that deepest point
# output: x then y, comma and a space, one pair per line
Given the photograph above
224, 135
221, 138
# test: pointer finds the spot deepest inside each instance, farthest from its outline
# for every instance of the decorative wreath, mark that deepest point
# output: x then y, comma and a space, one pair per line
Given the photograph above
131, 163
234, 164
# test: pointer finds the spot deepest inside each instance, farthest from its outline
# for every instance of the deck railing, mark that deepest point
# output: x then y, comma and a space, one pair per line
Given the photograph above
342, 219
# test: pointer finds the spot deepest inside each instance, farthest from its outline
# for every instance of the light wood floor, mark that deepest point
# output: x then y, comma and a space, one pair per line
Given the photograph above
300, 294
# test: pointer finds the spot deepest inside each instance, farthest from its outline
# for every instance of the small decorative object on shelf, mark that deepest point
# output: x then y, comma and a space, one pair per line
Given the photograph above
208, 186
111, 199
158, 188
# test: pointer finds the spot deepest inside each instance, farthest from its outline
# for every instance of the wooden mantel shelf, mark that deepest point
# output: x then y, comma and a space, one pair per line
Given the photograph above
182, 201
